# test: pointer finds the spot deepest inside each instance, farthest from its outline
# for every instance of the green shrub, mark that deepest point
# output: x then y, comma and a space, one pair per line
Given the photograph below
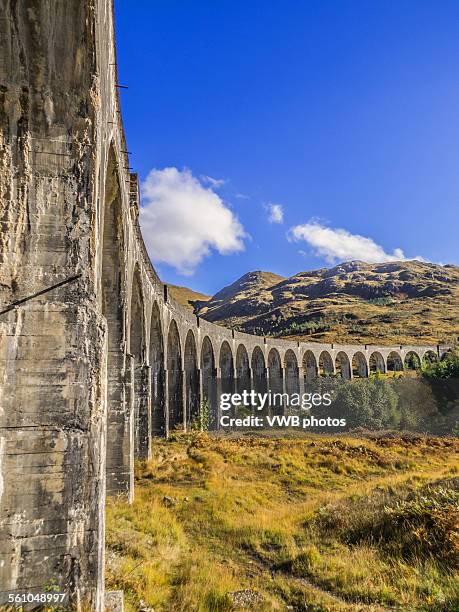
202, 421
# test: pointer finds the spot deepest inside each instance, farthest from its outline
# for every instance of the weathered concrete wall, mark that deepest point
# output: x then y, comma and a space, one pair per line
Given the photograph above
90, 370
52, 357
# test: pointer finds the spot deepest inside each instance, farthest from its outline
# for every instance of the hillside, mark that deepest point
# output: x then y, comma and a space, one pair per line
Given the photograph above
186, 297
390, 303
326, 524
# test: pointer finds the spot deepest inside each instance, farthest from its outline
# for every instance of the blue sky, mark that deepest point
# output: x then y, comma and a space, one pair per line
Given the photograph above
343, 113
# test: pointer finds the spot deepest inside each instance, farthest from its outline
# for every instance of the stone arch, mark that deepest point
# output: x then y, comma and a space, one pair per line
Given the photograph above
139, 377
292, 383
258, 370
359, 365
326, 365
429, 357
174, 378
394, 362
112, 275
242, 369
412, 361
192, 390
209, 386
343, 365
158, 408
377, 363
309, 366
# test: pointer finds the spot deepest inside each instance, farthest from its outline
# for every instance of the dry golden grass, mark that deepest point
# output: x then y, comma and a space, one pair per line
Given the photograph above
186, 297
213, 516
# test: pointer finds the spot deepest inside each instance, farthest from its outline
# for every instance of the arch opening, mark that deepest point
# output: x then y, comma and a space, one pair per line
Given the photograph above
343, 366
394, 362
359, 365
139, 378
326, 365
174, 379
258, 370
309, 367
292, 382
242, 369
209, 386
412, 361
377, 363
226, 366
429, 358
158, 408
192, 394
275, 371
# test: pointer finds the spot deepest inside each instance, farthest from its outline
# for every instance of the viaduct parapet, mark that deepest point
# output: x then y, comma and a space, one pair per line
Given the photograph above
90, 370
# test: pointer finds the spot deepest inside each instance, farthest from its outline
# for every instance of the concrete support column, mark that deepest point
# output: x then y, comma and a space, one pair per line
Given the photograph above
284, 380
202, 398
129, 441
157, 402
186, 407
200, 389
233, 380
195, 402
249, 379
167, 375
310, 372
119, 383
142, 392
212, 399
279, 387
52, 450
301, 382
244, 381
346, 370
218, 392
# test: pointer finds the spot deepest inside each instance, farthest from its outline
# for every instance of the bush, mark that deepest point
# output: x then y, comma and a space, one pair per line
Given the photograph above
417, 526
424, 526
202, 421
368, 403
448, 367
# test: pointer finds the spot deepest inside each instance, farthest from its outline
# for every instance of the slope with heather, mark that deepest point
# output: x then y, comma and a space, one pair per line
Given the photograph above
406, 302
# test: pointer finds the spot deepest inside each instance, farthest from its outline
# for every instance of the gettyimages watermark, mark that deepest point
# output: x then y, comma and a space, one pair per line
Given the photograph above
333, 405
263, 410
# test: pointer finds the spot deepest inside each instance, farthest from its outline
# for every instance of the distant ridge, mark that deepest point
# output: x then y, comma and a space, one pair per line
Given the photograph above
186, 297
394, 303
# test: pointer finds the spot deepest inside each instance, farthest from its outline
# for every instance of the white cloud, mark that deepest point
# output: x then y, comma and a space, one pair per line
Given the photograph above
340, 245
182, 220
275, 213
213, 182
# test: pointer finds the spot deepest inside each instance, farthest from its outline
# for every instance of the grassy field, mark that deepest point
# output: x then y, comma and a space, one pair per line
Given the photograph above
308, 523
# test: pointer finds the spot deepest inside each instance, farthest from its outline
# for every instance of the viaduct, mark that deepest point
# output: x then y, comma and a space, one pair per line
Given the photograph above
92, 369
